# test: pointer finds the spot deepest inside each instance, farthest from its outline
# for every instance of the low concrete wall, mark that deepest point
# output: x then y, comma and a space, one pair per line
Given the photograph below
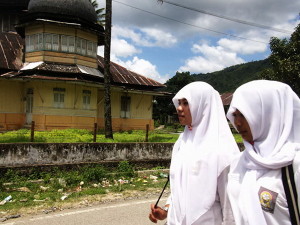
34, 154
39, 154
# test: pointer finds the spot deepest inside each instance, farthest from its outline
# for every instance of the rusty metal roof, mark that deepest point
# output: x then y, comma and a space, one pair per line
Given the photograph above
11, 54
226, 98
120, 74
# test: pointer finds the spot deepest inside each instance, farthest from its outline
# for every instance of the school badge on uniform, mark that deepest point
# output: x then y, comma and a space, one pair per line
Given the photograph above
267, 199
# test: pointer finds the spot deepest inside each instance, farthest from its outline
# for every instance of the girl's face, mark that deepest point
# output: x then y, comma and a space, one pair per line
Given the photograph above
242, 126
183, 112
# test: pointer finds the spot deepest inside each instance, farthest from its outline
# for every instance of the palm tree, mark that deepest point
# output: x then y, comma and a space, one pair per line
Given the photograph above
100, 13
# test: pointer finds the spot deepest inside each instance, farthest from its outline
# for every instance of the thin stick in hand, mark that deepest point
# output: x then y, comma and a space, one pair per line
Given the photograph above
155, 206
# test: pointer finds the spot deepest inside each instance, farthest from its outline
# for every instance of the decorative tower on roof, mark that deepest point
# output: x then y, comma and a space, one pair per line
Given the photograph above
64, 32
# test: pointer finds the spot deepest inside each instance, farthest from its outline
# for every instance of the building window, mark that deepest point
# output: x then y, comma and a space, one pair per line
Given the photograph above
95, 47
63, 43
41, 41
78, 45
83, 47
86, 99
125, 107
90, 48
59, 97
29, 44
48, 42
34, 42
67, 44
71, 44
55, 42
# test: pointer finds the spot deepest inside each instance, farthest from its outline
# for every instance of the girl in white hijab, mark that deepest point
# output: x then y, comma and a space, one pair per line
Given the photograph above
267, 115
199, 160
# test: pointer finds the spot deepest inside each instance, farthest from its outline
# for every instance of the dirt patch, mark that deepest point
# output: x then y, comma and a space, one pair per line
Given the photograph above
82, 202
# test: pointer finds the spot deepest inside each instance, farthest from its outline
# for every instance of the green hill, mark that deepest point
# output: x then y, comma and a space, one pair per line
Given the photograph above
230, 78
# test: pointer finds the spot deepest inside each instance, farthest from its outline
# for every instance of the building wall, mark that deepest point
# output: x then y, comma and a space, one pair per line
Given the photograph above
140, 111
12, 105
46, 115
72, 115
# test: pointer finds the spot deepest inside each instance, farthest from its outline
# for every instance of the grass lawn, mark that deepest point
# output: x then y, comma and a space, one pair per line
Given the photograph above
78, 135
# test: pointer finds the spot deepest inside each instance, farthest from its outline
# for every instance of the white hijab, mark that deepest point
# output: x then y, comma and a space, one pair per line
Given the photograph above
200, 154
272, 111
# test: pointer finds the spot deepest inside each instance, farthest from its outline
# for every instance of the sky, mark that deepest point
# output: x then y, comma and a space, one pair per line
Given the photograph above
157, 39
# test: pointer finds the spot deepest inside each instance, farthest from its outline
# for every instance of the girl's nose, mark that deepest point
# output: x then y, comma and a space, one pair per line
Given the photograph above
237, 121
179, 108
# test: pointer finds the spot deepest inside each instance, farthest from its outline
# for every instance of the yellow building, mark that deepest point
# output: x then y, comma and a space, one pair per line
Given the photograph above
50, 72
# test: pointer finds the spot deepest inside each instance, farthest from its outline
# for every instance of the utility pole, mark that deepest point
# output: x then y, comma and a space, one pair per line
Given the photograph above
107, 76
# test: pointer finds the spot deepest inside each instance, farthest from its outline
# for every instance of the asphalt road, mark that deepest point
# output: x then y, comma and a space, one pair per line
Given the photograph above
133, 212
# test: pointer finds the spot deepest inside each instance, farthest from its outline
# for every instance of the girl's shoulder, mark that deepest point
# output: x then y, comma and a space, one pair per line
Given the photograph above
296, 162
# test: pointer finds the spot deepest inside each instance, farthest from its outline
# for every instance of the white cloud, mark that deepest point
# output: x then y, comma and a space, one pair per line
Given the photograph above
160, 38
129, 33
122, 48
242, 46
212, 58
145, 68
147, 37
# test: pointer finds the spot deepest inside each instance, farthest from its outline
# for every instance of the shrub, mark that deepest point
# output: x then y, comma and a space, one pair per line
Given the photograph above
94, 174
125, 169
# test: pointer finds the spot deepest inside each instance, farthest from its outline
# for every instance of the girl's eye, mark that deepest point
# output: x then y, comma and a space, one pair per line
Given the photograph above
234, 114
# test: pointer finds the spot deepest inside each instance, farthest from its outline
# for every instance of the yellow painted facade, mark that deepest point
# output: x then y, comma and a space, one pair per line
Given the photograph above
140, 111
26, 101
12, 105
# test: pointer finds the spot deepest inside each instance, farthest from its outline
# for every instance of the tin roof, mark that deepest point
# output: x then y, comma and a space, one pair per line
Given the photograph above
120, 74
11, 65
11, 54
226, 98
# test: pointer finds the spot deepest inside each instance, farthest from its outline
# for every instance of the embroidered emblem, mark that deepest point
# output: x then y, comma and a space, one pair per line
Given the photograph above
267, 199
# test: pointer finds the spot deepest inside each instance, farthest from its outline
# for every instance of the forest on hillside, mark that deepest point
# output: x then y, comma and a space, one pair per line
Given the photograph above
228, 79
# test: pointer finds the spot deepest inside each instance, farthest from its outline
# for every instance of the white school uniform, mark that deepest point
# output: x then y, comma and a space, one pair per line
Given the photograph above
255, 188
199, 158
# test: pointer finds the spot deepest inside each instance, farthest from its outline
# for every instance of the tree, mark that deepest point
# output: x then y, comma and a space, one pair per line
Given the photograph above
285, 60
163, 106
179, 81
100, 12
